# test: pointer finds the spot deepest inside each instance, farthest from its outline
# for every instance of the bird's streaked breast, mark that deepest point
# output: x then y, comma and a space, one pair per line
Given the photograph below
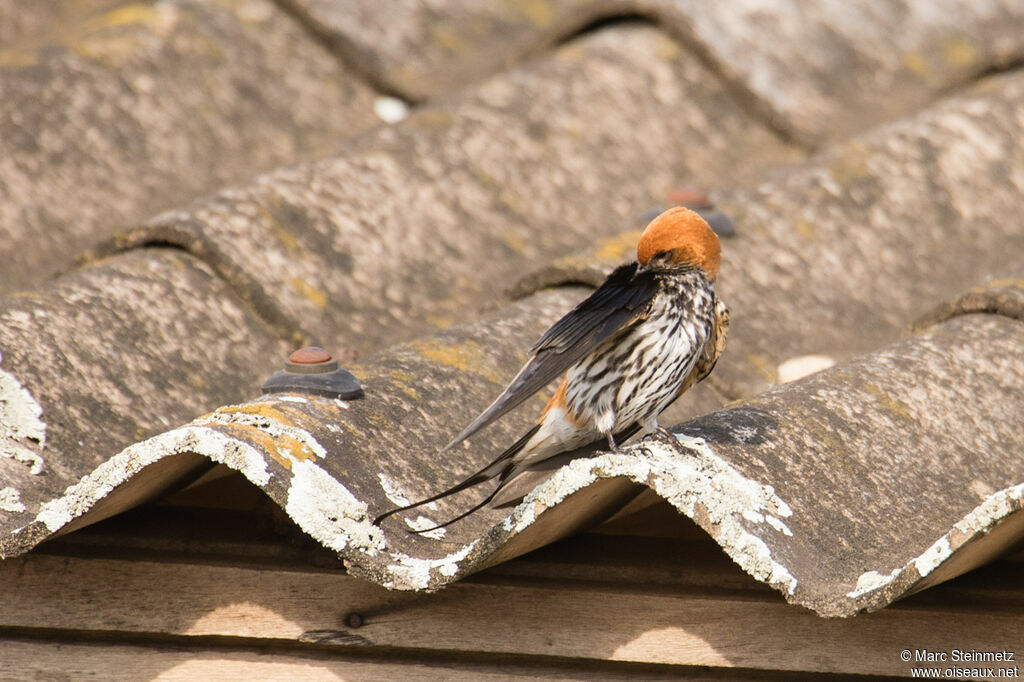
635, 376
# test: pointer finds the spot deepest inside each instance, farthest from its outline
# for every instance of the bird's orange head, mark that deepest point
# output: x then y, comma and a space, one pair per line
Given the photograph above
681, 237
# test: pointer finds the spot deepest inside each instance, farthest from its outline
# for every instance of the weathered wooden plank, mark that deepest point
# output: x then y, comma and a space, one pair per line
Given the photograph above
550, 619
41, 659
47, 660
33, 660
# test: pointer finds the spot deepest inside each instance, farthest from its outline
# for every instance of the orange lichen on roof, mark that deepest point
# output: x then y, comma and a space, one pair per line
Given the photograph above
467, 356
267, 427
317, 296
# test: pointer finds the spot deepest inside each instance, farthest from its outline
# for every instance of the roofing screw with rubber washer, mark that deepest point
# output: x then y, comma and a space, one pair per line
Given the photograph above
313, 370
698, 202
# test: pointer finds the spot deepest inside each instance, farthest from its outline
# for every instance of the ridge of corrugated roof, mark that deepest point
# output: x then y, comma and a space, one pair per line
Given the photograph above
838, 516
778, 58
848, 247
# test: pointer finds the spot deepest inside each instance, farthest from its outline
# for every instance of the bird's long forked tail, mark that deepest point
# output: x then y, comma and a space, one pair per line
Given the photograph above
485, 474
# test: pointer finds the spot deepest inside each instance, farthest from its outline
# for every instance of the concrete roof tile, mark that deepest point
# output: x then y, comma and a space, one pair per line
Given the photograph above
819, 70
109, 354
844, 490
866, 236
138, 108
836, 255
417, 224
32, 22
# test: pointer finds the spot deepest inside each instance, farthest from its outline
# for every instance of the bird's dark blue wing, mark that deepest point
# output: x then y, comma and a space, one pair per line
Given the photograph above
619, 303
621, 298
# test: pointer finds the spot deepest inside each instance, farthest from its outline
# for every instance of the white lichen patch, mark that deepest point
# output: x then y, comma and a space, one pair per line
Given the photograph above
778, 525
391, 490
10, 500
411, 573
80, 497
22, 430
421, 522
698, 483
281, 433
574, 476
329, 512
981, 519
933, 556
994, 508
871, 581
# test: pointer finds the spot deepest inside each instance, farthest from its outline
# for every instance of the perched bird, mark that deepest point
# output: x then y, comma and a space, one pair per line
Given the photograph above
652, 330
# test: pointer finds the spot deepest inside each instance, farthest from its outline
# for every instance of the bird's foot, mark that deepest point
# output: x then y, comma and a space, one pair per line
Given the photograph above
612, 445
664, 435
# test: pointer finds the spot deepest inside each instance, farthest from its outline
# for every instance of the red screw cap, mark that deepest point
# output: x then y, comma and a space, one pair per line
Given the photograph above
309, 355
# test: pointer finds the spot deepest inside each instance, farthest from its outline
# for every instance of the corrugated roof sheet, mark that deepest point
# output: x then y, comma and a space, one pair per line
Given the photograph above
844, 490
113, 111
812, 71
894, 469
